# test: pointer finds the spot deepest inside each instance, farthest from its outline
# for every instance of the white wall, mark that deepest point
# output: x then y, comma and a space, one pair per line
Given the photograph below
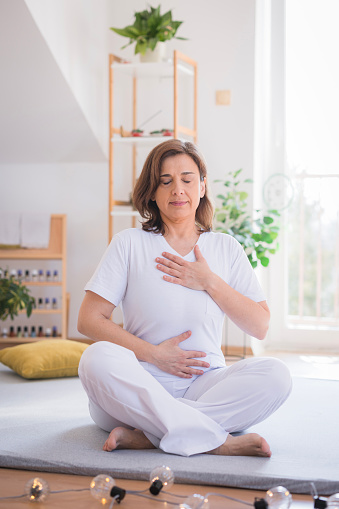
77, 34
221, 39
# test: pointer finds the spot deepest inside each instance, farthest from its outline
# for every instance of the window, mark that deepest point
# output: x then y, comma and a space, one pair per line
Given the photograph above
303, 118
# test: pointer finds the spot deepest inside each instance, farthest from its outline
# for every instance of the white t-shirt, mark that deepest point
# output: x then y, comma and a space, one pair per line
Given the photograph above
156, 310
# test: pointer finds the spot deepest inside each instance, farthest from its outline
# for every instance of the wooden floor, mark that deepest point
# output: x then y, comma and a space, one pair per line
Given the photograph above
12, 482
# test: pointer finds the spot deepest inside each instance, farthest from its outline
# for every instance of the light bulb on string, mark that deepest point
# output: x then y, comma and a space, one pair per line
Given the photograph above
103, 488
195, 501
37, 490
278, 498
161, 477
333, 501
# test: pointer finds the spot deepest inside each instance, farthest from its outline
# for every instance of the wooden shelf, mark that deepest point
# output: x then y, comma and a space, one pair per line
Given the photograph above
173, 69
141, 140
42, 283
152, 69
4, 342
56, 251
42, 311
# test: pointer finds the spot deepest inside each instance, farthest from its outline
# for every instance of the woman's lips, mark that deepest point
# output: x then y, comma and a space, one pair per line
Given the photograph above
178, 203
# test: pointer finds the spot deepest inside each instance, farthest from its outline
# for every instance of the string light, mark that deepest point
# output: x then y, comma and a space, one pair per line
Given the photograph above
103, 488
195, 501
37, 490
278, 498
333, 501
161, 477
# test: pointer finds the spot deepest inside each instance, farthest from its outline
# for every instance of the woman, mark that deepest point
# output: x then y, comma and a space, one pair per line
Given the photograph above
161, 382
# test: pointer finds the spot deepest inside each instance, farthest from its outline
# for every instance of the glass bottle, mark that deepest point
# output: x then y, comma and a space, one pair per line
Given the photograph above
40, 332
33, 332
48, 332
41, 276
19, 332
47, 303
25, 331
11, 332
54, 303
48, 275
55, 276
27, 276
54, 331
40, 304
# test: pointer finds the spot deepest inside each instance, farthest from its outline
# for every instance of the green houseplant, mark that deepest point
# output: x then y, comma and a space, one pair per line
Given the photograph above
149, 28
14, 296
257, 236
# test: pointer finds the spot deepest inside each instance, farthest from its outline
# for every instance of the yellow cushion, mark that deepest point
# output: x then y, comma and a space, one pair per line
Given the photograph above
50, 358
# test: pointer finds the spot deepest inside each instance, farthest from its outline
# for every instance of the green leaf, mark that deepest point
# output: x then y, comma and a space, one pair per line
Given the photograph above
268, 220
264, 261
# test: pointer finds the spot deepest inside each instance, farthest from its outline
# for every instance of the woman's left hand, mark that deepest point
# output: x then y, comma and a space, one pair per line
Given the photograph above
194, 275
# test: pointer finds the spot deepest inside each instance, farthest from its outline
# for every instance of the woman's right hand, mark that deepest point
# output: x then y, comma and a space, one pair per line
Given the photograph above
169, 357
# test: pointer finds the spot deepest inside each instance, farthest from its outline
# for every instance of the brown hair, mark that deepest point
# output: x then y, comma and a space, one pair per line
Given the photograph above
149, 181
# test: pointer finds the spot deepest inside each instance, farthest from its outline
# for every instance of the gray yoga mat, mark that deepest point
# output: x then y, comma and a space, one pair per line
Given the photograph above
45, 426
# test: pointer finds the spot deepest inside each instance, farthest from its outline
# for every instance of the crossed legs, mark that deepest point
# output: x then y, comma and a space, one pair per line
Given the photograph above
142, 414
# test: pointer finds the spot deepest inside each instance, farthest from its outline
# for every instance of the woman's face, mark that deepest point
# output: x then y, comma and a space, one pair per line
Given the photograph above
180, 189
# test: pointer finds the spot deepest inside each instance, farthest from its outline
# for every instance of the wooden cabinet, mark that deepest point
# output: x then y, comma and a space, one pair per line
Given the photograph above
52, 259
137, 102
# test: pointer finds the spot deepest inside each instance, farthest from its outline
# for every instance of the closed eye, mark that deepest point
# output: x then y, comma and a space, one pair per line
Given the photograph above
169, 182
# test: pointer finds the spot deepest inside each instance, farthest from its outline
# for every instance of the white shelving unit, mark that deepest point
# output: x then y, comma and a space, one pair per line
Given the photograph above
170, 71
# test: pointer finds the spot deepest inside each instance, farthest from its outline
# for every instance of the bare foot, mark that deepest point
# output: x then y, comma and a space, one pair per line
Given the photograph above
123, 438
244, 445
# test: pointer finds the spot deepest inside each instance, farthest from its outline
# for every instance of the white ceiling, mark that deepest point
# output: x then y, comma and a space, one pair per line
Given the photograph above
40, 119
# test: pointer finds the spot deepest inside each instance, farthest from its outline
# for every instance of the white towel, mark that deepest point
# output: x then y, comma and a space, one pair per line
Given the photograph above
35, 229
10, 228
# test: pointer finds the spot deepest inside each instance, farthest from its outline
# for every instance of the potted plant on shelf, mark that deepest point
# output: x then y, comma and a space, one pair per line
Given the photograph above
149, 31
14, 297
257, 236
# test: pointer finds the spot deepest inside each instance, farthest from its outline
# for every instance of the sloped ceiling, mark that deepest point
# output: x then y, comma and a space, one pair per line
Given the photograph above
40, 119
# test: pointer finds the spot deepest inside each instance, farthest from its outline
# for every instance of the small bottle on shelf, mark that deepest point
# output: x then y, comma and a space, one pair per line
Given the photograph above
54, 331
40, 332
27, 276
19, 332
48, 275
41, 276
47, 303
6, 274
19, 274
26, 332
33, 332
54, 303
14, 273
48, 332
55, 276
34, 275
11, 332
40, 303
4, 333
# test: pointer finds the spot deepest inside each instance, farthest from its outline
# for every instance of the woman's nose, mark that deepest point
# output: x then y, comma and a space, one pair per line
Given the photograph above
177, 187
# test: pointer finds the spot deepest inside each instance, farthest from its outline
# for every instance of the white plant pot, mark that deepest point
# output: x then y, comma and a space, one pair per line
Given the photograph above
157, 55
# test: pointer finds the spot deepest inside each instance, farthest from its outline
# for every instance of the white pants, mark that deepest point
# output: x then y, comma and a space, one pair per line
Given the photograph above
185, 416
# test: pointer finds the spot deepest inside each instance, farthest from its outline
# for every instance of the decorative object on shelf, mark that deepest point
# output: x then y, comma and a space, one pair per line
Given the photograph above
14, 296
257, 236
149, 31
278, 191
